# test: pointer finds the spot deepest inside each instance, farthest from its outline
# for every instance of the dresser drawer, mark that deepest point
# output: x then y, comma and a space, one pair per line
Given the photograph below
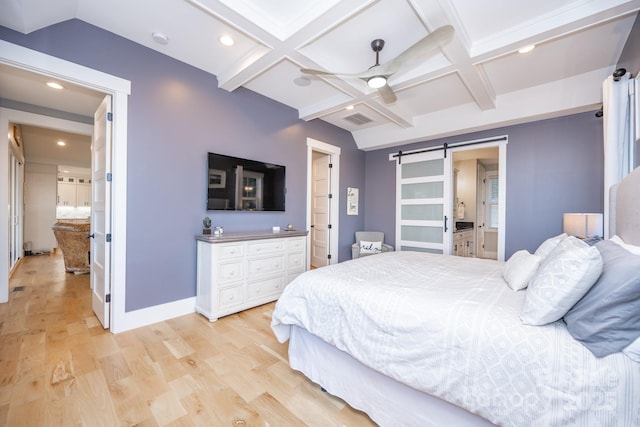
296, 244
265, 247
230, 297
265, 288
295, 261
229, 251
230, 272
261, 266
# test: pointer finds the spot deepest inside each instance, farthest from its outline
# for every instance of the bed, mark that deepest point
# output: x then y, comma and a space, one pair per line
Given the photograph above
416, 339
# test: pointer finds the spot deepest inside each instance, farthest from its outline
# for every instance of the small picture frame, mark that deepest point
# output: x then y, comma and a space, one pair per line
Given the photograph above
217, 178
352, 201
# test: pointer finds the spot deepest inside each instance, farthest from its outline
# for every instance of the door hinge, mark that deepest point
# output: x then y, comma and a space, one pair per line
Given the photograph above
329, 226
110, 117
328, 256
330, 196
330, 165
107, 238
109, 177
107, 298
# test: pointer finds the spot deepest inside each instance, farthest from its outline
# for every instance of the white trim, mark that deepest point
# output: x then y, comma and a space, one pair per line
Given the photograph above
323, 147
38, 62
154, 314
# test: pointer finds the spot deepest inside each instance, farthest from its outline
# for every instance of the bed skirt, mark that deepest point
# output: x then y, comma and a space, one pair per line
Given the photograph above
385, 400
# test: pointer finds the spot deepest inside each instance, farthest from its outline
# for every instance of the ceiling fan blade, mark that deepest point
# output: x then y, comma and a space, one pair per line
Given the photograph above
315, 72
387, 94
362, 75
419, 51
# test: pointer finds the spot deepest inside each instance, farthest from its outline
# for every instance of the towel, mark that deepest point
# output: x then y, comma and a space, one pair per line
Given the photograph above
460, 211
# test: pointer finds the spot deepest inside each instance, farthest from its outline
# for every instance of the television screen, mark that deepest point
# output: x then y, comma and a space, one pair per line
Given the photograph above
236, 184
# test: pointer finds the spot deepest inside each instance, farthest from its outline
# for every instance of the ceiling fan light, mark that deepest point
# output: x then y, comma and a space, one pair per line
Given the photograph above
377, 82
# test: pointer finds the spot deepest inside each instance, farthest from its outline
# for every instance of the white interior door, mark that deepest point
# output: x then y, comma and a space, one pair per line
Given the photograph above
101, 212
320, 211
423, 192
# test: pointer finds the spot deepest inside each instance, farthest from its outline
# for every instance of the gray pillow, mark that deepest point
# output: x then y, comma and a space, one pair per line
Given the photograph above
607, 318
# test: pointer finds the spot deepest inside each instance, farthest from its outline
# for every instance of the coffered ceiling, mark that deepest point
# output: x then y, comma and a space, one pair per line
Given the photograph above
476, 81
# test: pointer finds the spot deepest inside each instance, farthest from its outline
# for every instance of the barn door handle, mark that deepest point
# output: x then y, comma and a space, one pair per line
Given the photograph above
445, 224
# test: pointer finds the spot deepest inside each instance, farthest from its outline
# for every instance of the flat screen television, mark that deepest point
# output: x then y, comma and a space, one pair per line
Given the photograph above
236, 184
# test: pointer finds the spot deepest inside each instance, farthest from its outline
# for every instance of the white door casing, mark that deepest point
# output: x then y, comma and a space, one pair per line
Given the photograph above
101, 213
334, 152
320, 211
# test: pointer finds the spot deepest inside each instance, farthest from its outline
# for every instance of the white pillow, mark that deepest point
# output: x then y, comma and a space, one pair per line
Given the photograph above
560, 282
368, 248
520, 268
632, 351
631, 248
548, 245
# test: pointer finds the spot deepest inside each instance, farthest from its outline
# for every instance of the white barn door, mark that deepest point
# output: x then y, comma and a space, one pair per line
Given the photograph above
423, 193
101, 212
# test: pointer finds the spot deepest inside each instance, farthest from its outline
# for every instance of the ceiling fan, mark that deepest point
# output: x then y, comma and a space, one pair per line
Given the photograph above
377, 76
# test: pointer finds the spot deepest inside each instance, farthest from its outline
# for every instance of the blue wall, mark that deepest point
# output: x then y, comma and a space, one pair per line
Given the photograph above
176, 115
553, 166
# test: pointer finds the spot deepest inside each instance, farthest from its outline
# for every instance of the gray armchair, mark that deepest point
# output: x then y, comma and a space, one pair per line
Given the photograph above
370, 237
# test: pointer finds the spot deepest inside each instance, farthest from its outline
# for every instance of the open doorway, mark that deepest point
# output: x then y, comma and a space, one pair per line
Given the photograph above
28, 71
476, 203
323, 171
57, 184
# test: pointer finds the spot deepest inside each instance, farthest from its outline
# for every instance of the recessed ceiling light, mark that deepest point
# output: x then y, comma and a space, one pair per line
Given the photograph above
61, 143
349, 107
160, 38
55, 85
302, 81
527, 49
227, 40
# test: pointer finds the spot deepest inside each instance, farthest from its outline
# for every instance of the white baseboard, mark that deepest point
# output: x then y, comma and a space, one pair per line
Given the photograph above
157, 313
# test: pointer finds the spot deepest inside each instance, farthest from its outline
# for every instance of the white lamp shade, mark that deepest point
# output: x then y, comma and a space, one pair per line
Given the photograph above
583, 225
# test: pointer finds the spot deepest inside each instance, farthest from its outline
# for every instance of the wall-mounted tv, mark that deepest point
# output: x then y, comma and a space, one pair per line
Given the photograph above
235, 184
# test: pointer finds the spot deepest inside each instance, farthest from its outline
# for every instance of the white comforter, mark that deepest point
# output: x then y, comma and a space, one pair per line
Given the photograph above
449, 326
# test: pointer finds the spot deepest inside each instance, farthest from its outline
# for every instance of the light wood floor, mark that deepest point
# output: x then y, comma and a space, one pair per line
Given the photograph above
59, 367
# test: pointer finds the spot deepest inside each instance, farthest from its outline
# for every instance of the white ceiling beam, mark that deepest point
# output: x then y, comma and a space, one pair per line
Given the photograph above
575, 17
436, 13
249, 68
569, 96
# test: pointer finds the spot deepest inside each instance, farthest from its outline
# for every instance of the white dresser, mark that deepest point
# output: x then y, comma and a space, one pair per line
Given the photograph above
237, 271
